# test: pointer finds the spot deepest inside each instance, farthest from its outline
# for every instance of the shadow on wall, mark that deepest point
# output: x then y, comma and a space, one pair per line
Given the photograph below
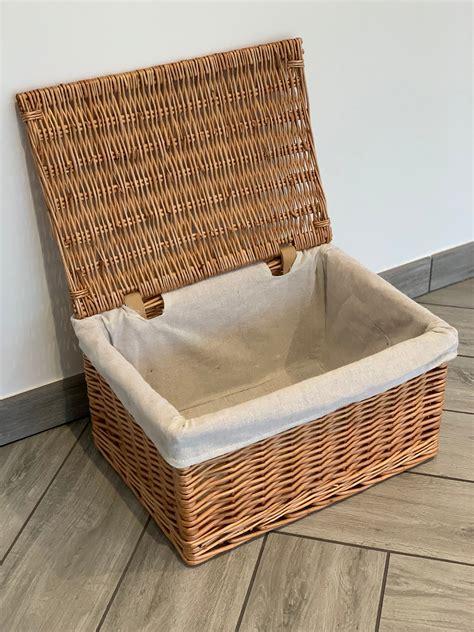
69, 352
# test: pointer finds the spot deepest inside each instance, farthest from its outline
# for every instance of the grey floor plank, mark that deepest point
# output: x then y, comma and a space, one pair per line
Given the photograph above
459, 294
63, 569
427, 596
26, 469
303, 585
420, 515
460, 385
168, 595
65, 565
462, 319
456, 453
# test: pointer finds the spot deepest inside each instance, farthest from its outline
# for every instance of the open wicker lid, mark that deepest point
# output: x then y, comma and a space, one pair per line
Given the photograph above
157, 178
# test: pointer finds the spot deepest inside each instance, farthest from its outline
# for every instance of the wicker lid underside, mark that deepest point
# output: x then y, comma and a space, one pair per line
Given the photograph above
158, 178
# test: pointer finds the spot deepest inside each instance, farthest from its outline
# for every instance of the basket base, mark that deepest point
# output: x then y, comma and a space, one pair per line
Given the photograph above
214, 506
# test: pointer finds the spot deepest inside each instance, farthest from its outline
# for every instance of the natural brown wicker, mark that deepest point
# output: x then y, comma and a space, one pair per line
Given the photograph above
161, 177
214, 506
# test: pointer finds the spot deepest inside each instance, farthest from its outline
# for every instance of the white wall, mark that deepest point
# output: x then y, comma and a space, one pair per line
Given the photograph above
390, 87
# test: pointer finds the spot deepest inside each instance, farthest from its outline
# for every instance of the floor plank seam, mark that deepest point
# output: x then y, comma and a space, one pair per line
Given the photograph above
45, 430
382, 593
48, 486
448, 478
431, 274
251, 583
464, 412
444, 305
374, 548
121, 578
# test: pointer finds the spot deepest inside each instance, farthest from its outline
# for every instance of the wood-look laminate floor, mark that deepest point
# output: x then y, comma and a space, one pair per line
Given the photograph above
79, 552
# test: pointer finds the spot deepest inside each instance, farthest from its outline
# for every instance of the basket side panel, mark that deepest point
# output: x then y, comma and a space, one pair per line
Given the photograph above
214, 506
127, 448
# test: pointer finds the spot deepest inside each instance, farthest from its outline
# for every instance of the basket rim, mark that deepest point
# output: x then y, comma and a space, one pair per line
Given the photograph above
113, 76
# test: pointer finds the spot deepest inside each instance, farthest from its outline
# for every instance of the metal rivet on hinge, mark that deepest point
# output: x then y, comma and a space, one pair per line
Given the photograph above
288, 256
134, 301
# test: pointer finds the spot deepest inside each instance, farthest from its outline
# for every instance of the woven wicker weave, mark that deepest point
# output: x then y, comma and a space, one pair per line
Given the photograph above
214, 506
161, 177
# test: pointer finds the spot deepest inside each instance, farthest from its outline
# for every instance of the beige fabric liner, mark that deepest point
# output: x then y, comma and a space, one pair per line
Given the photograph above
240, 357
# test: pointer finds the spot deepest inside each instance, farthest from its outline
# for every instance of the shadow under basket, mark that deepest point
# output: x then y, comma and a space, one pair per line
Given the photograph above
212, 507
160, 179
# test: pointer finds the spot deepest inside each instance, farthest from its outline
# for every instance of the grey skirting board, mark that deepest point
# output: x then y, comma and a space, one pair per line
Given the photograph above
42, 408
431, 273
66, 400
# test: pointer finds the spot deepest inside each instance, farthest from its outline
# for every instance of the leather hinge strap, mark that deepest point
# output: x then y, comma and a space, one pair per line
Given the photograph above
135, 302
288, 256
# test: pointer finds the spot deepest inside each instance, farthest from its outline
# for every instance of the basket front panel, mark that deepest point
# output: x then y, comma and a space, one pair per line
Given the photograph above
160, 177
213, 506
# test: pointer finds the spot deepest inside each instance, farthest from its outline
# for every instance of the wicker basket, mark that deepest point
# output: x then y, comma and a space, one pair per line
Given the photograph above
159, 178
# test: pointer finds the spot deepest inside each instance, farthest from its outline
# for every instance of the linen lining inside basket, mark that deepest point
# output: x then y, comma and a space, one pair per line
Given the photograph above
245, 355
